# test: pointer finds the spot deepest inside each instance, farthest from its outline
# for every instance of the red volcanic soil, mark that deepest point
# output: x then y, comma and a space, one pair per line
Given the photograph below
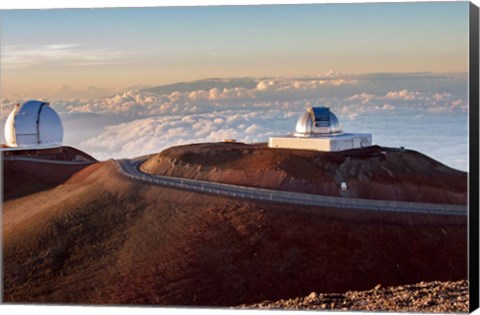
22, 177
372, 173
100, 238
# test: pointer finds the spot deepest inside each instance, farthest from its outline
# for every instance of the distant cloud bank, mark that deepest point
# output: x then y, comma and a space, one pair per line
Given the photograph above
426, 112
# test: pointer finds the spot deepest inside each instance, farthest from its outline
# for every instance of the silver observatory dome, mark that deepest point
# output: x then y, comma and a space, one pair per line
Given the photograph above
33, 124
317, 121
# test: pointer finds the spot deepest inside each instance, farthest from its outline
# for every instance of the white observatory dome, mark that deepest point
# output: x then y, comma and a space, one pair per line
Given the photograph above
34, 124
317, 121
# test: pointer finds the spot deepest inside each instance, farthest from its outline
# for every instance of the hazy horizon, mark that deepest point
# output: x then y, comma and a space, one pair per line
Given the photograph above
97, 52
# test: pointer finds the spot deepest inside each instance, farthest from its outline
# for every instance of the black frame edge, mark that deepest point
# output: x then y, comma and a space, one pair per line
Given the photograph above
473, 272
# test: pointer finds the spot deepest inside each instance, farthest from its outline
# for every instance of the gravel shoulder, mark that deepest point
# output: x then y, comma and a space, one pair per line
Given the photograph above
429, 297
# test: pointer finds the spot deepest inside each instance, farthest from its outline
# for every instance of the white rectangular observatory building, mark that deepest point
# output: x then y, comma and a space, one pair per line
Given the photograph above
342, 142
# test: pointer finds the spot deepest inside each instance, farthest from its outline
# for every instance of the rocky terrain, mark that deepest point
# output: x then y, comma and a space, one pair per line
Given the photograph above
100, 238
430, 297
373, 173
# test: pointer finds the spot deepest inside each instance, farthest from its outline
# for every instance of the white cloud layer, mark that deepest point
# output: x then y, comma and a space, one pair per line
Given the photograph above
425, 112
149, 135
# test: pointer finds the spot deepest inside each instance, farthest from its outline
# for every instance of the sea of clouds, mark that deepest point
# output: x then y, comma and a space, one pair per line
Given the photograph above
424, 112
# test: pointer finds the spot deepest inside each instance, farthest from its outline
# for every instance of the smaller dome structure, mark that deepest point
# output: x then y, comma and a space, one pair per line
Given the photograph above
317, 121
318, 129
33, 124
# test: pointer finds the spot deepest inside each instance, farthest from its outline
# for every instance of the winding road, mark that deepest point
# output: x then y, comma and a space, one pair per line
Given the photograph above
130, 169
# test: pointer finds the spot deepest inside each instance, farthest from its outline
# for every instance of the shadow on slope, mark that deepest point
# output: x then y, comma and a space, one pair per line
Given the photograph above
103, 239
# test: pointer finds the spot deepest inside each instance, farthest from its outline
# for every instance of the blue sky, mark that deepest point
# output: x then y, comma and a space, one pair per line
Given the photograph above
45, 51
